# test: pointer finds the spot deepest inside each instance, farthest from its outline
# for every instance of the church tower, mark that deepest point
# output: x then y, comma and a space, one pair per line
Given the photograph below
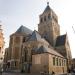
48, 26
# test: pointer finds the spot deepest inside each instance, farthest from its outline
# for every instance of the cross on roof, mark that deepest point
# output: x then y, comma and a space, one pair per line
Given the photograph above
47, 3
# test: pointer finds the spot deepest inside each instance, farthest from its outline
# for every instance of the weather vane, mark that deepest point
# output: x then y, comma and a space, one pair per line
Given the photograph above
47, 2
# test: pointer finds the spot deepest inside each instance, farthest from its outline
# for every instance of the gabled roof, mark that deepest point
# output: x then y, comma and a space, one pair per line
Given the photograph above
47, 9
23, 30
35, 36
61, 40
45, 49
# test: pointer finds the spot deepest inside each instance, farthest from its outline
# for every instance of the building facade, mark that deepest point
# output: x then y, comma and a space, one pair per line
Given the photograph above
1, 47
39, 51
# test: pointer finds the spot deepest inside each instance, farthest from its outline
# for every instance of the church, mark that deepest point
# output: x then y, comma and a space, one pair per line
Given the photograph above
39, 51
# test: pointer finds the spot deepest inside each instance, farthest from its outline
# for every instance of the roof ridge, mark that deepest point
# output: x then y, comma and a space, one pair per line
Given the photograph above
23, 29
35, 36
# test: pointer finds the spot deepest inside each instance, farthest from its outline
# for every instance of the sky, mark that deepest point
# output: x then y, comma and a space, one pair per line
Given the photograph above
14, 13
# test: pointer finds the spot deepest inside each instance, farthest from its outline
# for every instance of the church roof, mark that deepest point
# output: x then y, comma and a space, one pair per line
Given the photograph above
42, 49
45, 49
35, 36
47, 8
61, 40
23, 30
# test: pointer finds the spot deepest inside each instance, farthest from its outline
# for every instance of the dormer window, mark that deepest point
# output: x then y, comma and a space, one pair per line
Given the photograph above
45, 18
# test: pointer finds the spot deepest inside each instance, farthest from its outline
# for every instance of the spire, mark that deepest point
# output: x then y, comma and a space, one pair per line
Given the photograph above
47, 8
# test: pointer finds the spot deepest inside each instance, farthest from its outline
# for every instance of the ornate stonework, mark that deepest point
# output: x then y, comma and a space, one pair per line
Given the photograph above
39, 51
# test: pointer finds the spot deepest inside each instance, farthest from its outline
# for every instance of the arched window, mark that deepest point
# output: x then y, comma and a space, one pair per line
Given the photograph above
48, 16
57, 61
45, 18
17, 39
25, 54
53, 60
24, 38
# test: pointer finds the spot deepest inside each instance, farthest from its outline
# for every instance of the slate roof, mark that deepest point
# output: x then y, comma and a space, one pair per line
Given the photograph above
45, 49
42, 49
23, 29
35, 36
61, 40
47, 8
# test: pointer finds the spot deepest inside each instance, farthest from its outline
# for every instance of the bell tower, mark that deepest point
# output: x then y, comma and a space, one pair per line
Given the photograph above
48, 26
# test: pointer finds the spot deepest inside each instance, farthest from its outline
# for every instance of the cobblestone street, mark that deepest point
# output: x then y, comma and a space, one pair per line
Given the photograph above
31, 74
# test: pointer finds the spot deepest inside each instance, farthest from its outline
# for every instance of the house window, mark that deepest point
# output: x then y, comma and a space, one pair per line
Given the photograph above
57, 61
53, 60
